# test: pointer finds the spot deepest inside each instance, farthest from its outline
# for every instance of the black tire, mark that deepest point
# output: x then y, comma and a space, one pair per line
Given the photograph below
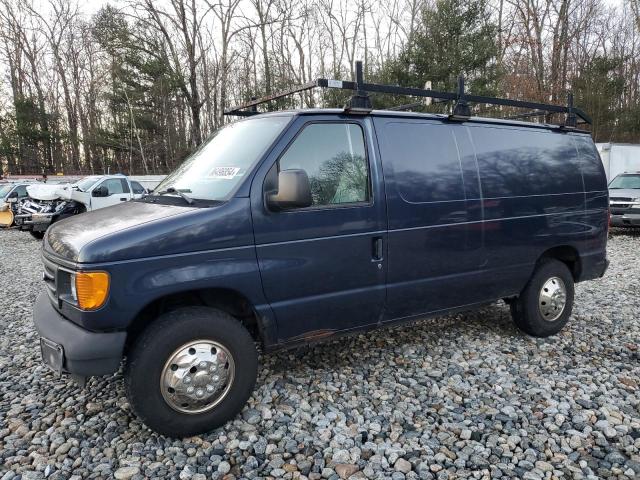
526, 311
156, 344
37, 235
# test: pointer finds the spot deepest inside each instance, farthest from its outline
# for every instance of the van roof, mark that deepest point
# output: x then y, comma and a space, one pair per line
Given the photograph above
430, 116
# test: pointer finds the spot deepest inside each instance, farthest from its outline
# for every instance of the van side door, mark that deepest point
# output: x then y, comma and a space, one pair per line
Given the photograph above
433, 202
323, 266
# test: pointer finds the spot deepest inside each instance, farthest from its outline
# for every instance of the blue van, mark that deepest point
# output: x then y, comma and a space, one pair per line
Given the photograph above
290, 227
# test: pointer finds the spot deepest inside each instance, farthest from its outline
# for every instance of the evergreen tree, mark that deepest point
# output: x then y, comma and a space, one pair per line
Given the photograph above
454, 37
142, 89
598, 90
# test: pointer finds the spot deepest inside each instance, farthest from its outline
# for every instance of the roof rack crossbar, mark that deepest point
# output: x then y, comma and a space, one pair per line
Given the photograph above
360, 102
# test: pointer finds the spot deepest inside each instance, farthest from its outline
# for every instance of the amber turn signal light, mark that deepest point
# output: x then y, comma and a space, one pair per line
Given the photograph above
91, 289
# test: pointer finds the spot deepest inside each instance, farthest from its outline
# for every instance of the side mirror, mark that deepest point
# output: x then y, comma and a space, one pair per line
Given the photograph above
100, 191
13, 198
294, 191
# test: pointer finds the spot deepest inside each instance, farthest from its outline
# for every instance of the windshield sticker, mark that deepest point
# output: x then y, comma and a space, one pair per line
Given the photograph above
223, 172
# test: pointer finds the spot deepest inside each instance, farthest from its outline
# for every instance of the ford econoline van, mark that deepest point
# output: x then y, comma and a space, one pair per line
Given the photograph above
290, 227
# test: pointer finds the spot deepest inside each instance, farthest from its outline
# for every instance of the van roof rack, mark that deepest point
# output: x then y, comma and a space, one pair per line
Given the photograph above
360, 103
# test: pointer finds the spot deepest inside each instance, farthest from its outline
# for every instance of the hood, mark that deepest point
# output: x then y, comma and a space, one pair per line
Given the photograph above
624, 193
144, 230
49, 192
68, 237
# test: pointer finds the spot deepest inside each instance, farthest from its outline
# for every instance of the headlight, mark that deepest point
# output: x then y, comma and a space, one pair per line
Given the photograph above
90, 289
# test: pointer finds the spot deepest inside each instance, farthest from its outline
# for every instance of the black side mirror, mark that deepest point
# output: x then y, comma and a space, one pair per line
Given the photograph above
100, 191
294, 191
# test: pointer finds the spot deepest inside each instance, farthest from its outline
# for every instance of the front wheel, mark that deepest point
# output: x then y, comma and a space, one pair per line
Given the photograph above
544, 306
190, 371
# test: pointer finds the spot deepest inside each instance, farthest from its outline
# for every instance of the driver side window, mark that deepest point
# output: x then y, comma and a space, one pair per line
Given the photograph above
115, 186
335, 159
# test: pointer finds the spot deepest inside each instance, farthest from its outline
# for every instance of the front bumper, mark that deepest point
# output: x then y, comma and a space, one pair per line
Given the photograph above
82, 352
625, 220
36, 222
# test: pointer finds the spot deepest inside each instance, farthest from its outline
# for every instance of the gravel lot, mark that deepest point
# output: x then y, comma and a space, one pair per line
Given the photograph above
459, 396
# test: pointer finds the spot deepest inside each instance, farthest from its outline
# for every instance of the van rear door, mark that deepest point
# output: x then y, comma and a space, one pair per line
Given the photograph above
323, 266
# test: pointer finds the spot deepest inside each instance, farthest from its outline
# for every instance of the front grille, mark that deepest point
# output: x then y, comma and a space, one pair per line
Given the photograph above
620, 202
620, 211
49, 276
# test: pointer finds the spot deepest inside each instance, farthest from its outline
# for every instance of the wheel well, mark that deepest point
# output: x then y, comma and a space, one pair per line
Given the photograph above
568, 255
226, 300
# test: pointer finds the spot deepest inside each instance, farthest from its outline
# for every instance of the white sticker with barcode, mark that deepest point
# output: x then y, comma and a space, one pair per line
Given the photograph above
224, 172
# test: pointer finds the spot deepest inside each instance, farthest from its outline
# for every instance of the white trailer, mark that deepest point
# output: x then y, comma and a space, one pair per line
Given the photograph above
619, 158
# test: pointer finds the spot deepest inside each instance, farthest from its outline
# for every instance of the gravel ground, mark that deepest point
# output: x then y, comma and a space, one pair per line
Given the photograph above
452, 397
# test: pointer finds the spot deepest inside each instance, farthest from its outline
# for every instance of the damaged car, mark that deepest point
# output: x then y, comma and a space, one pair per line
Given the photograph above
11, 194
48, 204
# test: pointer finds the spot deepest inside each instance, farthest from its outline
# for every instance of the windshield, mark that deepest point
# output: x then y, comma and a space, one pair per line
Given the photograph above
218, 166
86, 183
4, 190
625, 181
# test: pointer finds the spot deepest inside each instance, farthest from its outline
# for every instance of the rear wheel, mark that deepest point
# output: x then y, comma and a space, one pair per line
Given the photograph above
190, 371
544, 306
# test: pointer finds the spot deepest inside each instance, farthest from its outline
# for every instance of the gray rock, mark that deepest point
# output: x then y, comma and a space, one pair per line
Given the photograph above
341, 456
125, 473
402, 465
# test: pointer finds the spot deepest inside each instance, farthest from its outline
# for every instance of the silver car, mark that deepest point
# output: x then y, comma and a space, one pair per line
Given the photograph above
624, 200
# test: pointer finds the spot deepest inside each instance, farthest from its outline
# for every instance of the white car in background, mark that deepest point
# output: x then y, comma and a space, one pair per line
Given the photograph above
48, 204
10, 195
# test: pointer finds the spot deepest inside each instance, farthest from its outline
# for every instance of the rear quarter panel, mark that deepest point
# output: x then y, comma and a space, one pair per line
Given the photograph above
533, 199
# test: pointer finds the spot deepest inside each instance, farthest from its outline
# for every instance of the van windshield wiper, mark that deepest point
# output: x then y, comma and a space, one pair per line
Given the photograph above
186, 198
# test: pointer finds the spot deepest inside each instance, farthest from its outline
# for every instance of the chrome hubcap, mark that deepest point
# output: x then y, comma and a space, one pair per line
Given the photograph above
197, 376
552, 299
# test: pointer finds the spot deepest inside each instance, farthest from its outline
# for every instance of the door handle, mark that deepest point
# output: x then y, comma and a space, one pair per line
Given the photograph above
123, 199
376, 253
